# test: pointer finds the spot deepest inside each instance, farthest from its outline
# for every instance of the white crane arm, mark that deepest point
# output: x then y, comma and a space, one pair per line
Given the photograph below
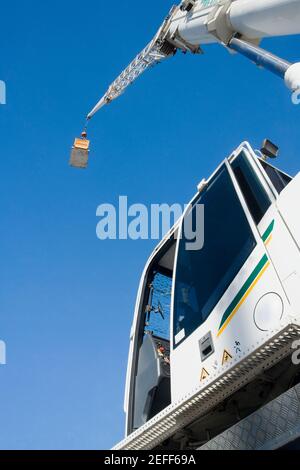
195, 22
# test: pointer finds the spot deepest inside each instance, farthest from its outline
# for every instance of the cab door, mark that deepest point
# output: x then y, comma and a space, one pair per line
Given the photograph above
228, 298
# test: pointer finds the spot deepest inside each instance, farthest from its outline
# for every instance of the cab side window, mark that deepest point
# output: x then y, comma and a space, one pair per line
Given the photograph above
279, 179
255, 196
203, 276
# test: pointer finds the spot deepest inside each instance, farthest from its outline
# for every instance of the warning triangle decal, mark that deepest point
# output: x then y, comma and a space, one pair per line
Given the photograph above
226, 357
204, 374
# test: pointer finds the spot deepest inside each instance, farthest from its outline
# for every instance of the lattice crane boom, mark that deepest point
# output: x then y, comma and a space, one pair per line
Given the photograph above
156, 51
238, 25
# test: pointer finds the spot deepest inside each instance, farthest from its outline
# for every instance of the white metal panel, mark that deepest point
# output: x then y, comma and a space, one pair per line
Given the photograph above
191, 26
252, 18
240, 337
282, 250
287, 247
288, 206
260, 18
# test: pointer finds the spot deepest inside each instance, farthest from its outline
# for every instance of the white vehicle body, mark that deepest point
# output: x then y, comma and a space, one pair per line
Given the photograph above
254, 310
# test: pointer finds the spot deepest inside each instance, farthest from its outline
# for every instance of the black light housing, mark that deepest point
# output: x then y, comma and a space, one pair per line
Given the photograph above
269, 150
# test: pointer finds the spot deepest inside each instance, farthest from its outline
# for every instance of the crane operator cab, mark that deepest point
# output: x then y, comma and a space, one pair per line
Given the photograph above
213, 328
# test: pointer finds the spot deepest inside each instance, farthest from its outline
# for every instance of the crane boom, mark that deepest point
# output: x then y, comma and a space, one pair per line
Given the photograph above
156, 51
238, 25
206, 21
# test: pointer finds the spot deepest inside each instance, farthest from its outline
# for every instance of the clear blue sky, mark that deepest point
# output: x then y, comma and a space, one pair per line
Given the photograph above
67, 299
